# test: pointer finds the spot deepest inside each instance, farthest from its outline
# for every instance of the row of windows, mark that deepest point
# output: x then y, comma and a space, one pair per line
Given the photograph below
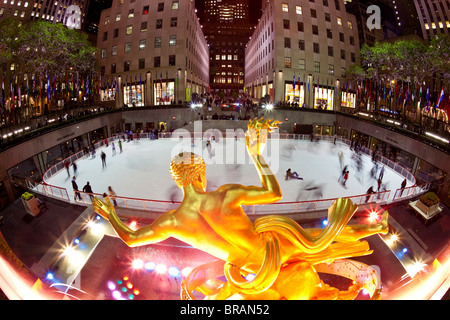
316, 48
144, 26
142, 45
141, 64
19, 3
298, 9
16, 12
315, 28
316, 66
145, 11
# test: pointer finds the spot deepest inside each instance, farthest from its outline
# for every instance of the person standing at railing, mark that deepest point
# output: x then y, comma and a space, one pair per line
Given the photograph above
403, 186
112, 195
75, 189
87, 188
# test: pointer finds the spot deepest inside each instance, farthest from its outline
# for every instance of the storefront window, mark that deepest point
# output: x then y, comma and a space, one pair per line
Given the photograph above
133, 96
323, 98
295, 96
164, 92
348, 100
108, 94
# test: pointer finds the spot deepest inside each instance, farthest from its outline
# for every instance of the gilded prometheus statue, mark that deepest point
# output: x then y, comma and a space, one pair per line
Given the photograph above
276, 249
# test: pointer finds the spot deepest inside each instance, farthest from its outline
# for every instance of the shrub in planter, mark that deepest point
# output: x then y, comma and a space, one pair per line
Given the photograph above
429, 199
27, 196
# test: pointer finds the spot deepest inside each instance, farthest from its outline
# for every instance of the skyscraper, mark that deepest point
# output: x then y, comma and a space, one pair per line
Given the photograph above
70, 12
434, 17
227, 30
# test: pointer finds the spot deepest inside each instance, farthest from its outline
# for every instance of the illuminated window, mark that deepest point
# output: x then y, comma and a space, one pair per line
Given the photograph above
339, 21
298, 9
129, 29
142, 44
175, 5
172, 40
284, 7
350, 24
287, 62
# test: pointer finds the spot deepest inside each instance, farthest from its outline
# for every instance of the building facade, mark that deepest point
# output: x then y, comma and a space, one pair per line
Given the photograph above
152, 53
70, 12
299, 53
227, 30
434, 17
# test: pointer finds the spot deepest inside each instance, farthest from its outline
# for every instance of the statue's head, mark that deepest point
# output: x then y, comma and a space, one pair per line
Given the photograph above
187, 168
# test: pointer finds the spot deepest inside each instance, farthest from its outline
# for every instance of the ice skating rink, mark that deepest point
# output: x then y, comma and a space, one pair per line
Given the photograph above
142, 169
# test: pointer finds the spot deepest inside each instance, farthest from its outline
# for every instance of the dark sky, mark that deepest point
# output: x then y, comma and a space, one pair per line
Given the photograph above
254, 8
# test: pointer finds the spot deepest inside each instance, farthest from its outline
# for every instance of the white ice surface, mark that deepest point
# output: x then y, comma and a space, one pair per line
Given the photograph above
142, 169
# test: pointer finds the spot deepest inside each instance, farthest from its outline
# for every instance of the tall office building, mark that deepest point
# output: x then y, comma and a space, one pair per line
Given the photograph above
434, 17
300, 51
227, 30
152, 53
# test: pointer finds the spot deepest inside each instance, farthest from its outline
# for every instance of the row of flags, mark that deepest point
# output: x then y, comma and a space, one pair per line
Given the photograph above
45, 87
366, 89
88, 85
403, 95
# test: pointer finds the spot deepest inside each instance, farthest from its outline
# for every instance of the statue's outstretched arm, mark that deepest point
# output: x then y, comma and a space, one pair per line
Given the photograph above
269, 192
158, 231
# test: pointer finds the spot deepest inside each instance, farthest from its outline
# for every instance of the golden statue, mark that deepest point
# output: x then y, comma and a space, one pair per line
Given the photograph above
275, 248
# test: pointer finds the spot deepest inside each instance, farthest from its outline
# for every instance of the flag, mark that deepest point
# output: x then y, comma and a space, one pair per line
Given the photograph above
12, 96
87, 84
19, 93
48, 89
428, 98
293, 82
441, 97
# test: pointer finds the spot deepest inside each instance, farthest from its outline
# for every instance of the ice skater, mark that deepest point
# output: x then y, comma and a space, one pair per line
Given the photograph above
75, 168
345, 178
381, 173
120, 145
103, 156
66, 165
113, 149
344, 170
208, 147
292, 175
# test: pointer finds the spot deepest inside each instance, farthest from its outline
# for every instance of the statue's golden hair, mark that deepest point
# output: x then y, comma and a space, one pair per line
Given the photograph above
187, 167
